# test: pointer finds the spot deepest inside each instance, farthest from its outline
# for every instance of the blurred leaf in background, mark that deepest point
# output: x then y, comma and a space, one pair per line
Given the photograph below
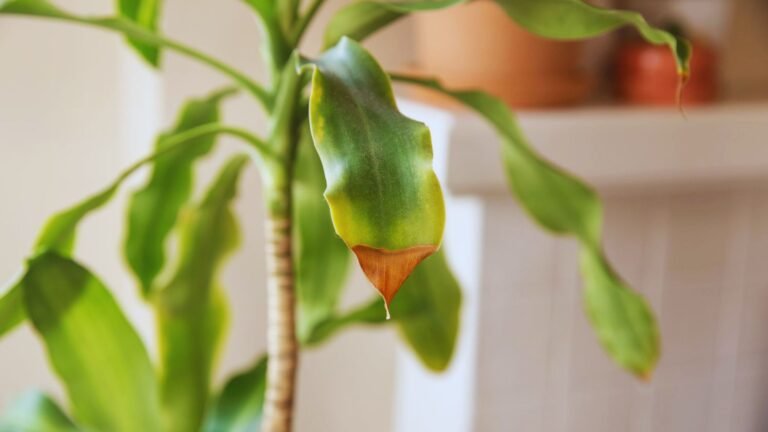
191, 310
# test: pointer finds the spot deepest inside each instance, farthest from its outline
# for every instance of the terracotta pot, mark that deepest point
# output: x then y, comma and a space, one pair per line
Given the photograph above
477, 46
647, 75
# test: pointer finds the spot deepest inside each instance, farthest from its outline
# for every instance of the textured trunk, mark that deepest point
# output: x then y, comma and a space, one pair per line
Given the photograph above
282, 347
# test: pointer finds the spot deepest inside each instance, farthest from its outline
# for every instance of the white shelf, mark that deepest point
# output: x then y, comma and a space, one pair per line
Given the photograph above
614, 148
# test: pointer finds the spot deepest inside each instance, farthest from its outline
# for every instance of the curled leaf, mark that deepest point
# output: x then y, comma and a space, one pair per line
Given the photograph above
385, 199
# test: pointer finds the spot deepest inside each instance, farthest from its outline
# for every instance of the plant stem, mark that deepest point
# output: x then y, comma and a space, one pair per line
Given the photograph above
282, 347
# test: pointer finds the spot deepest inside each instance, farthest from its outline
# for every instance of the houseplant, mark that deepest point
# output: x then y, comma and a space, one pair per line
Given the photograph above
335, 135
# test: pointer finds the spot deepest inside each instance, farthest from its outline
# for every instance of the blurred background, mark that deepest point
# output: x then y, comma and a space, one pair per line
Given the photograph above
686, 211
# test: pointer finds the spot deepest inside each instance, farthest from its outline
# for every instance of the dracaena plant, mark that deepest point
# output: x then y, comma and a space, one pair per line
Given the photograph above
345, 174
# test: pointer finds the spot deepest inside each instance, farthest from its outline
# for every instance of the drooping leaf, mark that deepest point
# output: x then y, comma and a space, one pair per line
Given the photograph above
622, 319
575, 19
191, 312
321, 258
556, 19
240, 405
35, 412
385, 199
144, 13
154, 209
563, 204
92, 347
427, 312
359, 20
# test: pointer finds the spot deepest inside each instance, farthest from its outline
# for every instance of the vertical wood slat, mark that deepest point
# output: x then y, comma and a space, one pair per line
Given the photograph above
728, 336
686, 253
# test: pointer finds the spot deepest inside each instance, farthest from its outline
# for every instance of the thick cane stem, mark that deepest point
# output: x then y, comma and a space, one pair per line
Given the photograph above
282, 347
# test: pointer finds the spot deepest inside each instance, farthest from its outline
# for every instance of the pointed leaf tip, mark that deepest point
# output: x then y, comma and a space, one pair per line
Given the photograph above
387, 270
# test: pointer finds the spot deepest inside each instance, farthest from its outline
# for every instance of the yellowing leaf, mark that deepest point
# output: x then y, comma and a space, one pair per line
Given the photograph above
385, 199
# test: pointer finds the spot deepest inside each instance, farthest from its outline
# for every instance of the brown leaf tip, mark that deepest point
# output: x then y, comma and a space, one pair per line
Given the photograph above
645, 376
388, 269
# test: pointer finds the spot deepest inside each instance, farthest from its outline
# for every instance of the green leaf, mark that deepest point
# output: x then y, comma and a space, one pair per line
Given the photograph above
575, 19
60, 230
239, 406
12, 308
319, 281
555, 19
427, 312
274, 39
92, 347
385, 199
35, 412
622, 318
58, 234
145, 13
287, 13
154, 209
358, 21
40, 8
422, 5
563, 204
191, 313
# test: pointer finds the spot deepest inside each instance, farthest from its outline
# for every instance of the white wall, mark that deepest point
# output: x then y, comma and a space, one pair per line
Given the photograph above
75, 106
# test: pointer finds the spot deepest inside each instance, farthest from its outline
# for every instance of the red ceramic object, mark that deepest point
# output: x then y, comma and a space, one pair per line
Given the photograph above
646, 75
